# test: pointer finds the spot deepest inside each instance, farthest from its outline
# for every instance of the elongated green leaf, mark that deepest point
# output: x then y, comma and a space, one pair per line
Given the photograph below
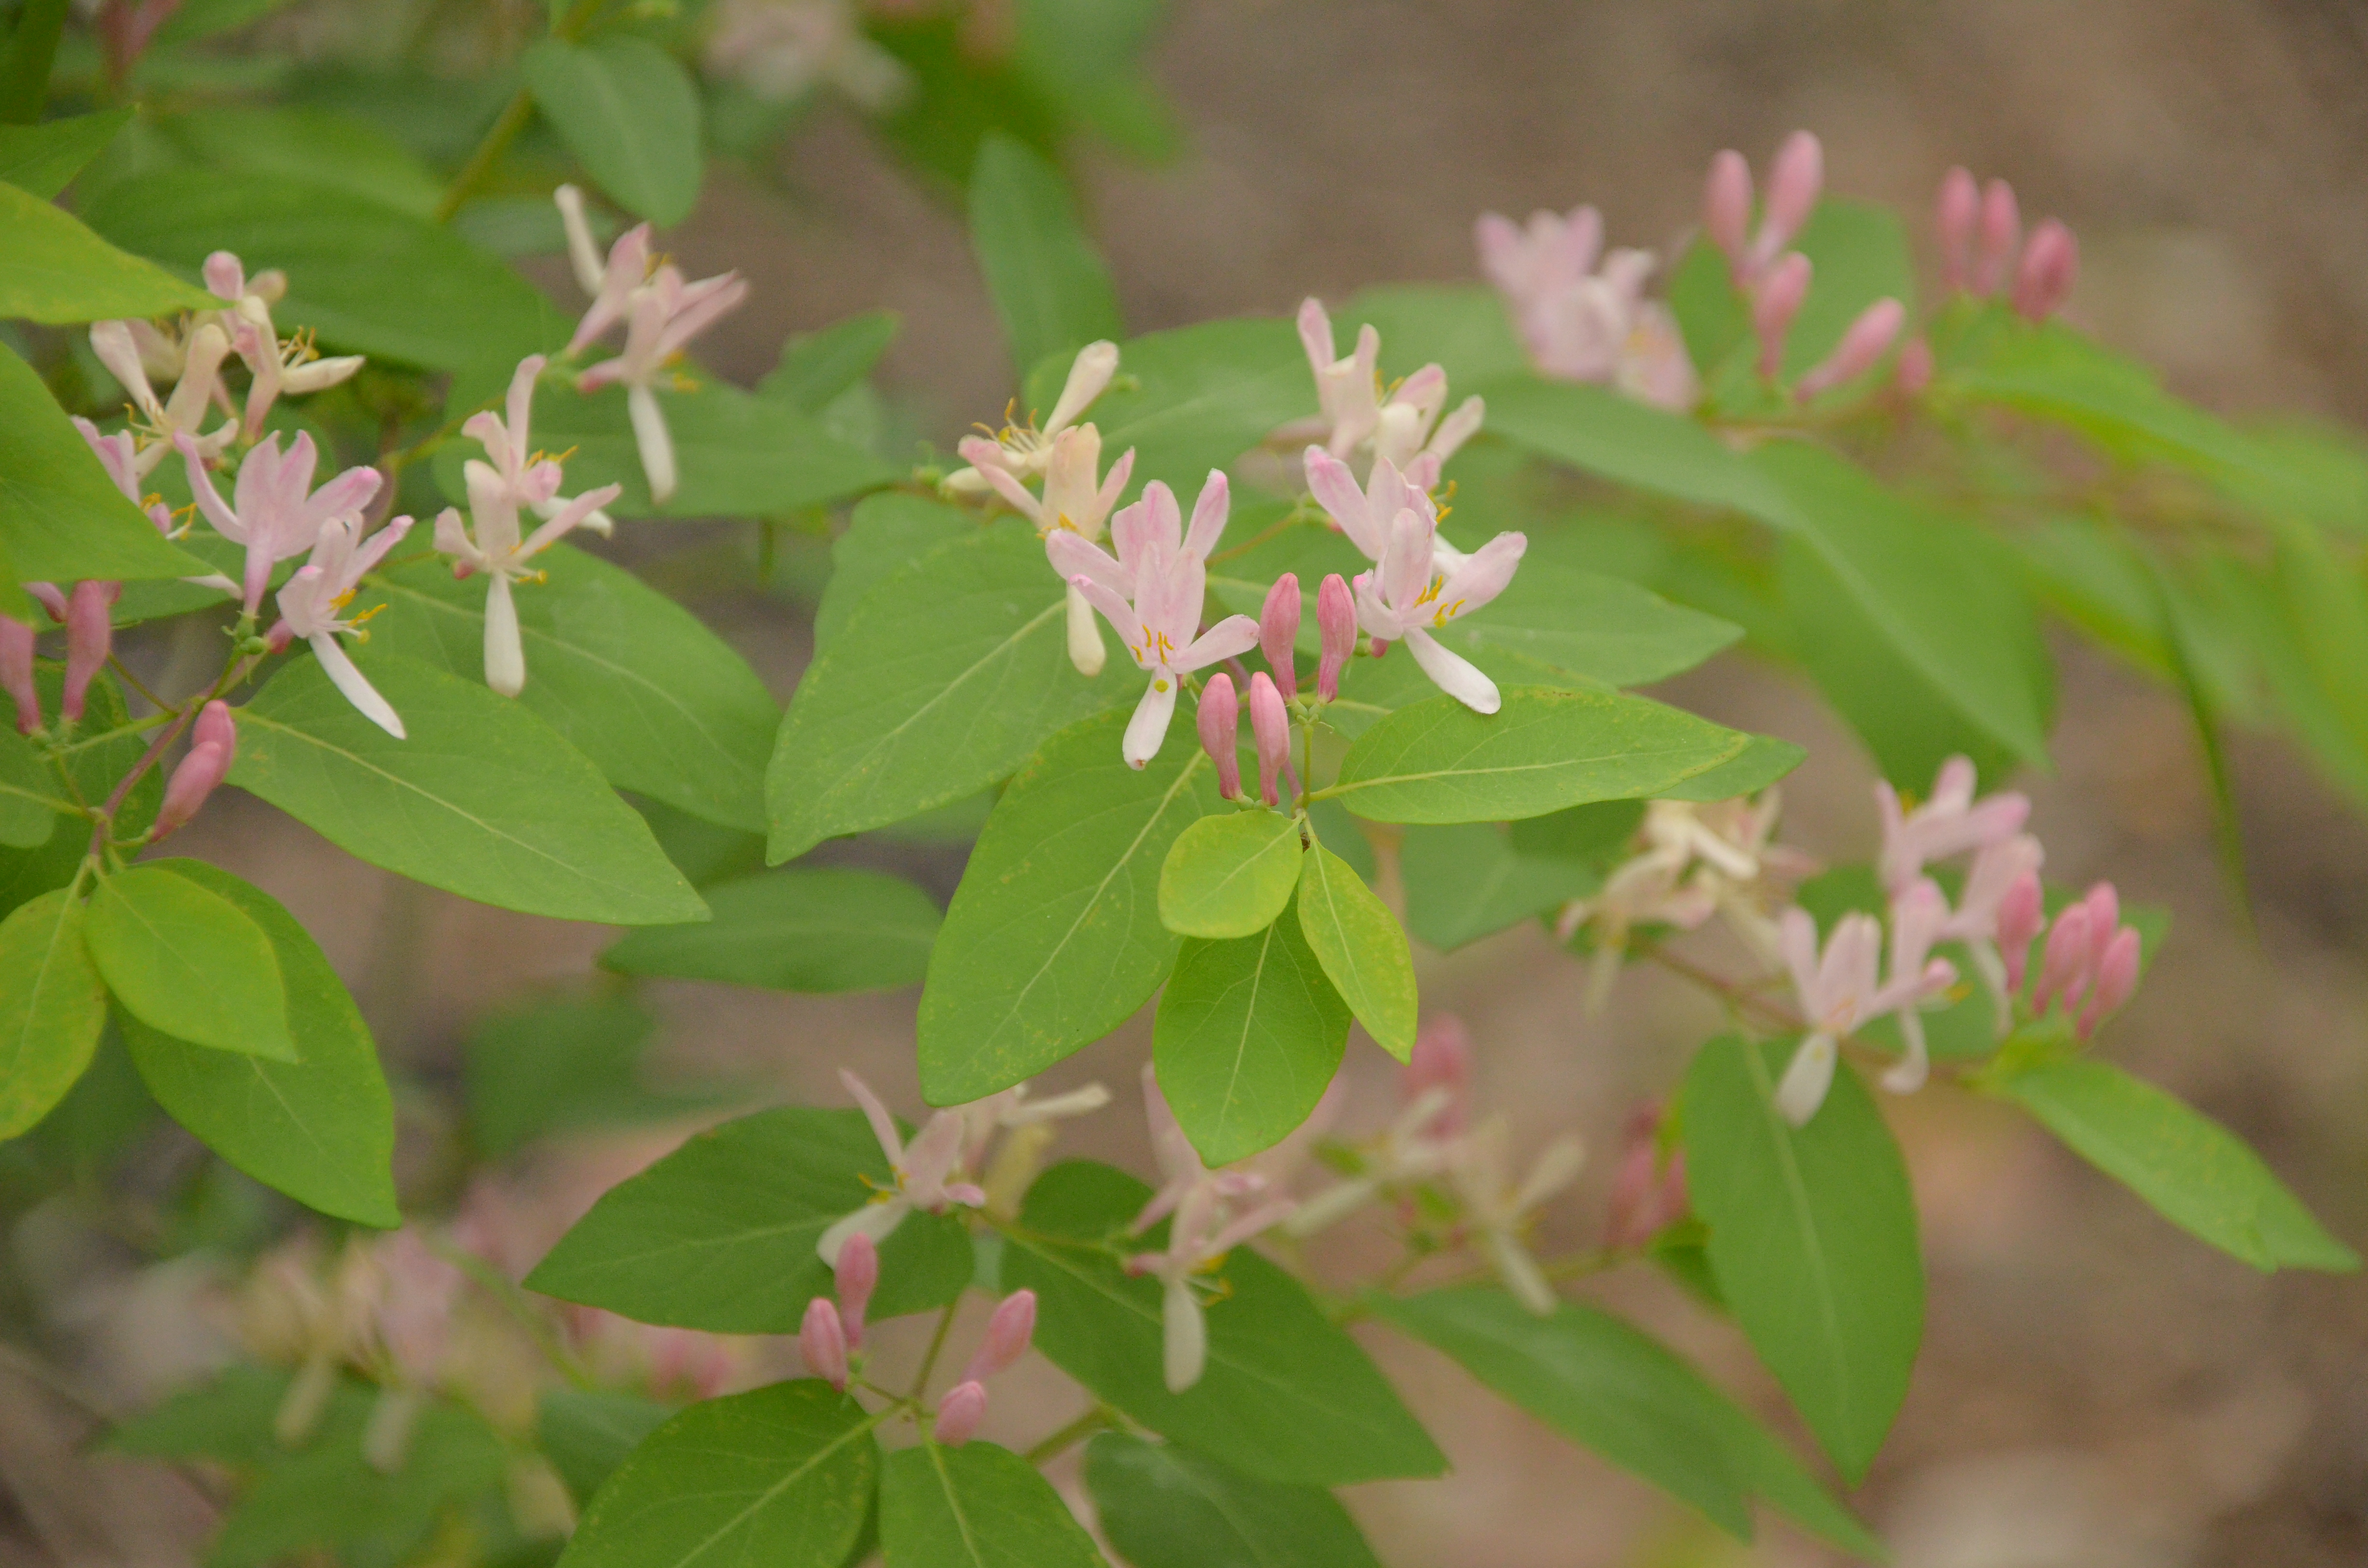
1165, 1507
314, 146
562, 1063
975, 1506
42, 160
1554, 621
887, 533
31, 798
320, 1129
1440, 762
1229, 875
1761, 763
816, 367
484, 799
1286, 1396
1053, 937
1249, 1035
55, 270
52, 1007
587, 1433
629, 110
781, 1474
1050, 290
1462, 328
720, 1233
185, 961
942, 681
630, 679
1812, 1241
2192, 1171
1469, 880
800, 928
1361, 947
1616, 438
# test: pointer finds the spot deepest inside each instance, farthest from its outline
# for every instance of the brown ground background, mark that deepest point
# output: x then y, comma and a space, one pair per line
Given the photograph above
2097, 1390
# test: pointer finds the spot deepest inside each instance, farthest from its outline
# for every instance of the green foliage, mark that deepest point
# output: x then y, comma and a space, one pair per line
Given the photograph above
815, 368
887, 532
587, 1433
629, 110
562, 1065
1248, 1034
42, 160
1229, 875
975, 1506
57, 271
1468, 880
53, 1006
1051, 292
314, 146
189, 963
1555, 623
1165, 1507
800, 928
1361, 948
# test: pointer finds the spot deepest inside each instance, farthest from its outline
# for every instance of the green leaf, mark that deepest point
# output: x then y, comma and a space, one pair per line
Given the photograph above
564, 1063
457, 306
1361, 948
888, 532
628, 109
52, 1007
632, 680
485, 800
587, 1433
1229, 875
42, 160
943, 680
1812, 1241
800, 928
62, 518
975, 1506
57, 272
720, 1233
1618, 438
1554, 620
1469, 880
1054, 937
816, 367
1249, 1035
187, 961
194, 20
314, 146
320, 1129
1440, 762
1462, 328
227, 1418
31, 798
1050, 290
1760, 764
780, 1475
1165, 1507
2192, 1171
1287, 1396
1858, 253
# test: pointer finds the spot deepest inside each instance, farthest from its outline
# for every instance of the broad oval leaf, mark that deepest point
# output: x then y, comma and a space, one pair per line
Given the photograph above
1467, 881
799, 928
943, 680
1050, 290
781, 1475
187, 961
485, 800
1287, 1396
1811, 1239
1615, 436
975, 1506
1555, 622
1249, 1035
43, 159
56, 271
720, 1233
1165, 1507
1053, 937
887, 532
1761, 762
587, 1433
1361, 947
320, 1129
52, 1007
629, 110
1546, 749
1229, 875
633, 681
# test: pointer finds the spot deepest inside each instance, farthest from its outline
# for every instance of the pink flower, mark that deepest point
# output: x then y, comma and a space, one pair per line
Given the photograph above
959, 1414
1795, 181
1648, 1193
1579, 323
1404, 426
929, 1174
214, 745
16, 641
277, 513
1076, 500
1838, 993
275, 367
196, 364
1336, 622
857, 1275
1026, 453
1271, 728
1866, 341
1952, 823
1220, 720
2090, 953
1278, 630
1413, 593
1776, 299
1979, 231
822, 1343
313, 601
90, 637
1364, 513
782, 49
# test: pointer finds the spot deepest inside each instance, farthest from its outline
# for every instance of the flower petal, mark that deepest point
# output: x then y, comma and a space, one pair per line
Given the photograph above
1455, 675
1149, 725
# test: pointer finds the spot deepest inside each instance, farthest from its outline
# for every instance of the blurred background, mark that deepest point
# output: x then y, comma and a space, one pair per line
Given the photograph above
2098, 1390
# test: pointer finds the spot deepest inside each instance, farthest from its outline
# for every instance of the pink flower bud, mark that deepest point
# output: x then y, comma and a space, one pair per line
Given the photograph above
1648, 1195
1726, 206
1913, 372
857, 1272
1271, 724
1007, 1333
1772, 310
2022, 913
2104, 907
215, 727
17, 672
195, 779
1441, 1059
959, 1414
1278, 629
2000, 232
1959, 212
276, 640
1336, 622
822, 1342
2051, 263
2065, 970
225, 275
1221, 732
1794, 182
51, 600
2117, 976
90, 636
1866, 341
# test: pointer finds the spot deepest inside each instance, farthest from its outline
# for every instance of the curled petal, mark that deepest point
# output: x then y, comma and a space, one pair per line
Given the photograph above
355, 687
1452, 673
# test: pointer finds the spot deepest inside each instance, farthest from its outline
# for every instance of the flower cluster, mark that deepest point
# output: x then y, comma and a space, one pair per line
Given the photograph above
1583, 315
1980, 231
831, 1341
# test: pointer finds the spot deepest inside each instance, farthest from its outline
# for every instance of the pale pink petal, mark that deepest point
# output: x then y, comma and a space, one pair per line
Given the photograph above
1149, 726
1452, 673
1230, 638
1209, 515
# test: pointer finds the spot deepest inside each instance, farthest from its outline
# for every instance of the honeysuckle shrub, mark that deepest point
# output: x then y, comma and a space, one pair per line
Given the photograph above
1423, 543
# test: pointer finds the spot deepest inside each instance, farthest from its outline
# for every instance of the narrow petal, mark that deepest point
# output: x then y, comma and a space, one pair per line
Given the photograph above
1907, 1075
358, 690
1806, 1079
1015, 494
1520, 1273
1453, 674
1335, 491
504, 654
877, 1221
1209, 516
1073, 555
1475, 579
1089, 373
1114, 609
582, 255
1149, 725
1315, 334
1235, 635
1162, 519
657, 443
208, 499
578, 511
1085, 649
884, 1125
1184, 1337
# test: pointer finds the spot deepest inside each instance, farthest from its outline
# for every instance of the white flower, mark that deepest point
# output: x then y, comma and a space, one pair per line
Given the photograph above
928, 1172
1413, 592
274, 511
310, 602
1403, 426
1838, 992
1026, 453
1499, 1209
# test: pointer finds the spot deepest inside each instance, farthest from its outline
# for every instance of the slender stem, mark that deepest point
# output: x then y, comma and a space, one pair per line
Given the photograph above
1740, 995
937, 1343
1099, 1418
479, 170
136, 684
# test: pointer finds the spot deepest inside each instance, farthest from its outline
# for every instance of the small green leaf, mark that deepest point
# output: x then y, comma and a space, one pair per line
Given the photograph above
1249, 1035
801, 928
1361, 947
1812, 1241
42, 160
1050, 290
484, 799
320, 1129
1229, 875
52, 1008
628, 109
57, 272
587, 1433
720, 1233
1165, 1507
975, 1506
1469, 880
816, 367
779, 1475
887, 532
190, 963
2192, 1171
1440, 762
